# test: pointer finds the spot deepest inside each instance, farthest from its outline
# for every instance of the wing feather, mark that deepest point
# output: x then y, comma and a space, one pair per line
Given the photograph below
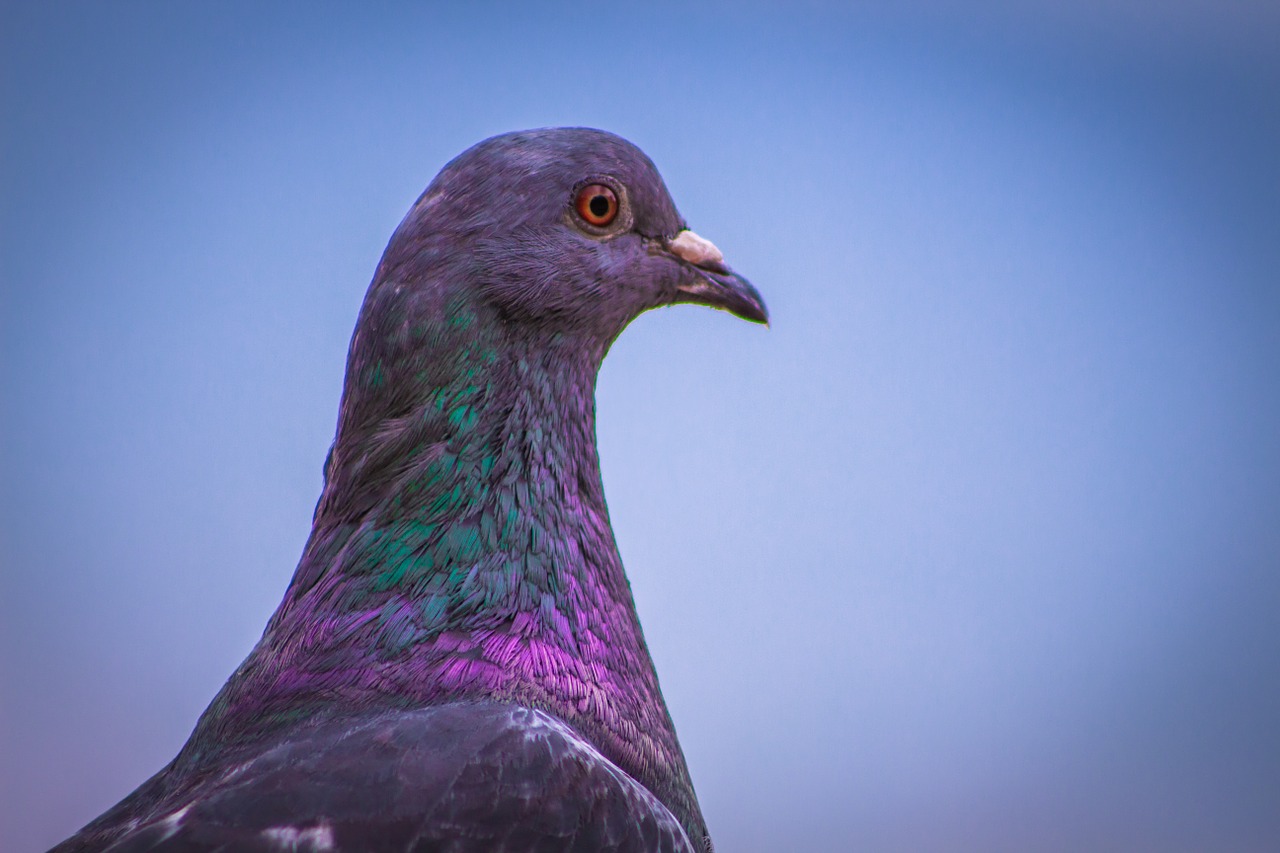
460, 778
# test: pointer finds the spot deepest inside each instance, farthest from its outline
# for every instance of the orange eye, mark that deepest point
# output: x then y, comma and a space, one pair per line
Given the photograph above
597, 204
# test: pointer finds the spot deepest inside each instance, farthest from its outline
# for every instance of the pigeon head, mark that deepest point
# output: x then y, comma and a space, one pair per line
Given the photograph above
566, 230
509, 277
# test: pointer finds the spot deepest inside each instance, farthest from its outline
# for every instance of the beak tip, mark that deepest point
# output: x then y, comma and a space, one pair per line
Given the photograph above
750, 305
755, 314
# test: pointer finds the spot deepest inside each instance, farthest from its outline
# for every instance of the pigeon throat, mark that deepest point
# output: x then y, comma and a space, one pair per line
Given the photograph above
486, 489
462, 546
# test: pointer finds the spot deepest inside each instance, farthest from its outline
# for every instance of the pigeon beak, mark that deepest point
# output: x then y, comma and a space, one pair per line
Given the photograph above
710, 282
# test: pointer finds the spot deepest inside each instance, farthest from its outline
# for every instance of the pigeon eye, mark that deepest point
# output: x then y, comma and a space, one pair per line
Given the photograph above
597, 205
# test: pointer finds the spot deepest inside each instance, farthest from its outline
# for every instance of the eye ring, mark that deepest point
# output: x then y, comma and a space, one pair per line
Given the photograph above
597, 205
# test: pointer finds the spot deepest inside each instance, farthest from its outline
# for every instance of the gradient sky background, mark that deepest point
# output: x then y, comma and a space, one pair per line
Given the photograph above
978, 548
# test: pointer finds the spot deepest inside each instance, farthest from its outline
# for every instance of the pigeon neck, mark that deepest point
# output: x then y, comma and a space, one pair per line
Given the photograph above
485, 490
462, 550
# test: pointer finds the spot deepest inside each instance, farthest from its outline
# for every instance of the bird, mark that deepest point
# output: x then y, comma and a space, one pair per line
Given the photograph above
457, 663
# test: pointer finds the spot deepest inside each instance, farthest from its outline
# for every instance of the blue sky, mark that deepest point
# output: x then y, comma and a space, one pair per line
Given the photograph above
975, 549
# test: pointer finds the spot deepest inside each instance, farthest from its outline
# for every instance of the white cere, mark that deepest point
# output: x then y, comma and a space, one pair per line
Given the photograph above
695, 249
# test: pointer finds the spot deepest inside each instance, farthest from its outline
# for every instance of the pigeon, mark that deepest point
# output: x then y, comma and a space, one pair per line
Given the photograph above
457, 663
